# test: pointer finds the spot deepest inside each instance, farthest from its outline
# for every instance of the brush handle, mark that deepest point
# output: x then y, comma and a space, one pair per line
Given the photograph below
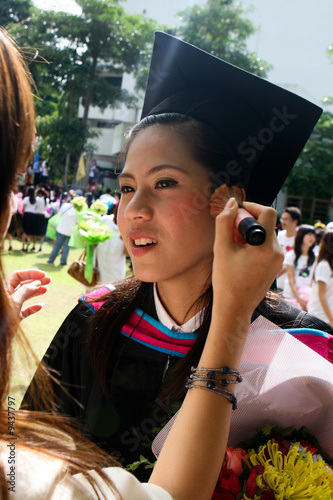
249, 228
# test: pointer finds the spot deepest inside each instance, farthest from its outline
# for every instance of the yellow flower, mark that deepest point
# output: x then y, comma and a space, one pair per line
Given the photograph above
294, 476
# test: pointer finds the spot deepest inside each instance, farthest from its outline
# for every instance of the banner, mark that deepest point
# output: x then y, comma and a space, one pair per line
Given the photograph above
81, 171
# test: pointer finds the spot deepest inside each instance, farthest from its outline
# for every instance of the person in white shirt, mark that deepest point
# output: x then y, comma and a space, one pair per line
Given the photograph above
41, 221
321, 301
29, 219
299, 265
111, 254
65, 230
45, 172
108, 199
290, 219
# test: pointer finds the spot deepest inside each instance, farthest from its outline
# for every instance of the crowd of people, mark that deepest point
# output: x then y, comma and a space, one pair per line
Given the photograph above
306, 279
303, 245
35, 205
174, 332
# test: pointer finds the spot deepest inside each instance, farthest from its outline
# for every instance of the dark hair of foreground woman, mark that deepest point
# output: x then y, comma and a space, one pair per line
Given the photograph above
44, 433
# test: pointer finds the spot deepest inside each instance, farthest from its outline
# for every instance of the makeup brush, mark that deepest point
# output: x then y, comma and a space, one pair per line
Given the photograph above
248, 229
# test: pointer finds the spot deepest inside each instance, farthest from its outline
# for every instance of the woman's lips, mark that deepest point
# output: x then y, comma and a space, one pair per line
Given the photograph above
142, 246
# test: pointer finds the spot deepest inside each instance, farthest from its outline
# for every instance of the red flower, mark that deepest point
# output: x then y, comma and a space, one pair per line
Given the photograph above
268, 495
234, 459
284, 444
251, 484
222, 494
229, 482
308, 446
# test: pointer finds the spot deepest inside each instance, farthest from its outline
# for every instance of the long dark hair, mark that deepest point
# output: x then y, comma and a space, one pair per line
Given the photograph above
48, 434
31, 194
208, 149
301, 232
17, 138
42, 192
326, 248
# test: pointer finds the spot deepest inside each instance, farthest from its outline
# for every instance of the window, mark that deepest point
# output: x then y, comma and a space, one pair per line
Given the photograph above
311, 208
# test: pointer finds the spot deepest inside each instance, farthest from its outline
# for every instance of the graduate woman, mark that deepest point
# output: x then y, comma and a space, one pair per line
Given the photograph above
123, 355
40, 454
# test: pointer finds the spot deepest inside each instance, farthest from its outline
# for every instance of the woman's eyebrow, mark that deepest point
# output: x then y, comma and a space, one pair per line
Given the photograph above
154, 170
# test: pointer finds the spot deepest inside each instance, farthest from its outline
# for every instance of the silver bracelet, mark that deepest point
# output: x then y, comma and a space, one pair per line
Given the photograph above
222, 392
216, 373
214, 380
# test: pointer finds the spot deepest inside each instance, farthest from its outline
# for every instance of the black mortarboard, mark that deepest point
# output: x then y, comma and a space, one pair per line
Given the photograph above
264, 126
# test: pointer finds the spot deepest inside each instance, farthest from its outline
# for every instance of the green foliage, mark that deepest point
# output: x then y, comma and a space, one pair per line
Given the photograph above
330, 52
220, 28
142, 461
55, 133
312, 175
70, 58
329, 99
13, 11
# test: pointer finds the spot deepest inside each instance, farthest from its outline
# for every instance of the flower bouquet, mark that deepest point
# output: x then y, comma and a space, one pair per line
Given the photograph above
288, 385
99, 207
276, 464
79, 203
89, 231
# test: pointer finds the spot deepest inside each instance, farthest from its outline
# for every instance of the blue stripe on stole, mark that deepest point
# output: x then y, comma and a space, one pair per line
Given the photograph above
307, 331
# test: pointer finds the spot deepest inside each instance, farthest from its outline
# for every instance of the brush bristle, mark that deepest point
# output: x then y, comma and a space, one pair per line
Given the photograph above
221, 196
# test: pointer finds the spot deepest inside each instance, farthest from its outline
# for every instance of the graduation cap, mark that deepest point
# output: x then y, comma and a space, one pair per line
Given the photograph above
264, 127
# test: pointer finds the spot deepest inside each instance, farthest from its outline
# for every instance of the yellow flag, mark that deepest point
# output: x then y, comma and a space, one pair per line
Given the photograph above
81, 171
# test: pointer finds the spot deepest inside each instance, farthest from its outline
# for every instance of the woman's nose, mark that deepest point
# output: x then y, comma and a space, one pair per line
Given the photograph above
139, 207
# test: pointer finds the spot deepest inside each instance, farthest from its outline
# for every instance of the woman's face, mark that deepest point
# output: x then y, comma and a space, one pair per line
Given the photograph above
164, 208
309, 239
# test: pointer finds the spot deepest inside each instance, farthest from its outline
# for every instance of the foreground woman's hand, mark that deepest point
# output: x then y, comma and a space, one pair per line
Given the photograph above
24, 285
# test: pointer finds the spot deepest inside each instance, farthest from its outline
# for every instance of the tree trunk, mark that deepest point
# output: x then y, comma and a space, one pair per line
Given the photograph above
70, 120
89, 93
68, 157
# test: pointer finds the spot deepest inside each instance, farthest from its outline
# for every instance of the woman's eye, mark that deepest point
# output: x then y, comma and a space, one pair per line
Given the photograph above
165, 183
126, 189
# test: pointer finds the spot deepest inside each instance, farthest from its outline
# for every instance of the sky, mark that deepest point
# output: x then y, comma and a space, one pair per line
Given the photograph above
59, 5
292, 35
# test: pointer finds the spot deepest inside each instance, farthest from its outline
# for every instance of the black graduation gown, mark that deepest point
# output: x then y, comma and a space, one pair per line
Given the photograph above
124, 426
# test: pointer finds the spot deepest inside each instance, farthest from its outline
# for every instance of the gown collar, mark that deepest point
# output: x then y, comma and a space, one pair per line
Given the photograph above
191, 325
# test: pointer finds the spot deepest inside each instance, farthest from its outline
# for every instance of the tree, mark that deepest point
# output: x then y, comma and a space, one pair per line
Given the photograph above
329, 99
81, 52
312, 176
220, 28
14, 11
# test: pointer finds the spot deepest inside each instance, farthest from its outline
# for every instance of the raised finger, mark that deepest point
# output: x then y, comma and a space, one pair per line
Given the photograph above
28, 311
25, 275
267, 216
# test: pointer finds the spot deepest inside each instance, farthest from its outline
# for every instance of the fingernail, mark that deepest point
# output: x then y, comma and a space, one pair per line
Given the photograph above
230, 203
37, 283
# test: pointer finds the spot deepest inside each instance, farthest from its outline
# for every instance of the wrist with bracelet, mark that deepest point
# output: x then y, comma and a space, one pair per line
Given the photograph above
214, 380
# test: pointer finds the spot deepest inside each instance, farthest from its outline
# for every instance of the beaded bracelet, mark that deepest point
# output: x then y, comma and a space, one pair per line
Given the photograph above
214, 373
213, 382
